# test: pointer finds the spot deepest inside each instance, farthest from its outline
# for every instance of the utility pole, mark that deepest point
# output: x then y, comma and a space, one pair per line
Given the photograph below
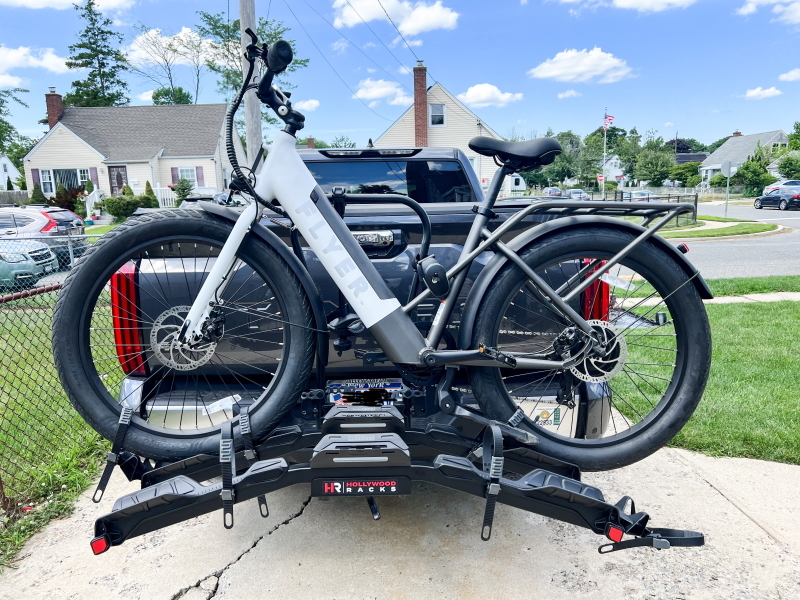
252, 106
605, 132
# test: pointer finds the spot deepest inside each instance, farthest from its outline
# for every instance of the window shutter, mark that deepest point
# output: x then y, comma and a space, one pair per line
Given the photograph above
174, 174
35, 176
93, 176
200, 181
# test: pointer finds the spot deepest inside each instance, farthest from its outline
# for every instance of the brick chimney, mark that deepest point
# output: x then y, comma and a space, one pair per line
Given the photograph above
55, 107
737, 133
420, 105
310, 142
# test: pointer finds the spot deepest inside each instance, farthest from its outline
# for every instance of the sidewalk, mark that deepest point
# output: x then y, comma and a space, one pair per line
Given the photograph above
427, 545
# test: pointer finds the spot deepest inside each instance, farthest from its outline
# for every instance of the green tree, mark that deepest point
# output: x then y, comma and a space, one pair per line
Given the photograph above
21, 183
176, 95
628, 150
685, 172
794, 137
98, 50
16, 150
88, 187
318, 143
342, 141
789, 165
614, 138
182, 189
9, 185
753, 173
719, 180
8, 132
37, 197
654, 166
148, 190
126, 190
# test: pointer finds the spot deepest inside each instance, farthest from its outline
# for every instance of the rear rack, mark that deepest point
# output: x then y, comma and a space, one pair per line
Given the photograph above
368, 451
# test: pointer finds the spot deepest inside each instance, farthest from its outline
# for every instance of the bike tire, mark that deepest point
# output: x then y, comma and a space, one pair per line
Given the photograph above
92, 393
692, 350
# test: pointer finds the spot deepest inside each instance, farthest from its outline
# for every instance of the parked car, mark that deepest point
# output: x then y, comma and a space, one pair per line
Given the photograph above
577, 195
792, 184
641, 196
551, 191
50, 225
784, 199
23, 263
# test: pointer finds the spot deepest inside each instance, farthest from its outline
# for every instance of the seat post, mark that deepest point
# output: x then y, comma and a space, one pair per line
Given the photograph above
494, 187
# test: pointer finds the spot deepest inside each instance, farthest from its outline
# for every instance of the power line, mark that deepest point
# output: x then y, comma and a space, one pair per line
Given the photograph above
330, 65
399, 62
398, 31
356, 47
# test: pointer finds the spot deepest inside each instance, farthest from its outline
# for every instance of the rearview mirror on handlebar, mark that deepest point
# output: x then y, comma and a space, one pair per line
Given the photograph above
279, 56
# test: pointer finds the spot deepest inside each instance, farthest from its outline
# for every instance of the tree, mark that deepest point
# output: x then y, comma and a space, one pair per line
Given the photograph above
9, 185
126, 190
318, 143
98, 51
753, 173
654, 166
88, 187
614, 137
182, 189
682, 145
8, 132
21, 183
37, 197
794, 137
685, 172
628, 151
148, 190
176, 95
342, 141
789, 165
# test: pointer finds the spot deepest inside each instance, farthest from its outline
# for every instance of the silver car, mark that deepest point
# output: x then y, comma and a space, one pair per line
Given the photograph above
577, 195
23, 263
789, 185
51, 225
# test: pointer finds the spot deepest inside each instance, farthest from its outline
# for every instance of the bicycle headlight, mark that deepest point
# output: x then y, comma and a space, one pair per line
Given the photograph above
12, 257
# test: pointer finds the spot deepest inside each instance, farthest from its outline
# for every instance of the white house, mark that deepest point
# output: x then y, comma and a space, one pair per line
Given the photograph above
8, 171
438, 119
118, 145
738, 148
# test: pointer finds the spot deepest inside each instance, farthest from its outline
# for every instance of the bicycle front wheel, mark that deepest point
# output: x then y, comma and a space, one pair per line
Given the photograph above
119, 314
602, 412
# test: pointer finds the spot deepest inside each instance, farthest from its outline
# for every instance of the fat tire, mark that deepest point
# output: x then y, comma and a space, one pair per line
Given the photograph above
141, 438
491, 394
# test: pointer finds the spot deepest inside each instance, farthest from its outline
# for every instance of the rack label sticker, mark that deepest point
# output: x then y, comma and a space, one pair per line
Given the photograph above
373, 486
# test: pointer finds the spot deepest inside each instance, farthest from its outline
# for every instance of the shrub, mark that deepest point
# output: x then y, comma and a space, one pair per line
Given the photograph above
37, 197
126, 190
183, 189
122, 207
21, 183
148, 190
80, 208
9, 185
146, 201
89, 187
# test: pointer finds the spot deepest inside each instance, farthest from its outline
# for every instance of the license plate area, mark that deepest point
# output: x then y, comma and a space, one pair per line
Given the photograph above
361, 486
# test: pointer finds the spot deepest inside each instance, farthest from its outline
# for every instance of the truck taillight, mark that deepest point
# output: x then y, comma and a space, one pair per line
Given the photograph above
596, 297
126, 322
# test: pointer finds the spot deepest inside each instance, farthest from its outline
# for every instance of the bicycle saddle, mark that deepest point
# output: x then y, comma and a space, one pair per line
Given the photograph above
527, 154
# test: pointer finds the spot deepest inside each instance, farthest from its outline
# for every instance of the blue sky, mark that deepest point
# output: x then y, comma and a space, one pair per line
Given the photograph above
701, 67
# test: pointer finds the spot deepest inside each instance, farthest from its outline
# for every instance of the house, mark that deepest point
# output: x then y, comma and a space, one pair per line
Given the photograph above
437, 118
117, 145
681, 158
738, 148
8, 171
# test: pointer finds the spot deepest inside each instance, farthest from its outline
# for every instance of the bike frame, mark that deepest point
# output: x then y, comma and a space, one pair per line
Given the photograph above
285, 178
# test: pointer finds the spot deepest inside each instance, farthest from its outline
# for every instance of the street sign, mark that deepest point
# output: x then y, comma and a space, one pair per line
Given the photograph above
619, 177
726, 168
600, 178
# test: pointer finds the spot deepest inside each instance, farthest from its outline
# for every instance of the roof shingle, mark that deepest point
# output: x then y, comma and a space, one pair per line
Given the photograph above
737, 149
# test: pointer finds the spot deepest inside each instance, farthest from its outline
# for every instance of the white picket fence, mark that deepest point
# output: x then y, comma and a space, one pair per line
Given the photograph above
167, 198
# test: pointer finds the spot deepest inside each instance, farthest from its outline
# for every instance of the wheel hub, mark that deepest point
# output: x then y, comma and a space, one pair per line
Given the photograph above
169, 351
599, 369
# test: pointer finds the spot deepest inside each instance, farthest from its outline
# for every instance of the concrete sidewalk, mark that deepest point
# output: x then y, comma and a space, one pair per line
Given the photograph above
427, 545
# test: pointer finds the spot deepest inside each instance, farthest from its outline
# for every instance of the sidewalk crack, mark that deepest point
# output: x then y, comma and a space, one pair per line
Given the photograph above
219, 572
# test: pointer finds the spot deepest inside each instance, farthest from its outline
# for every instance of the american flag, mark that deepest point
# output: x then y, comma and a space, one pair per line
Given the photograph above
607, 122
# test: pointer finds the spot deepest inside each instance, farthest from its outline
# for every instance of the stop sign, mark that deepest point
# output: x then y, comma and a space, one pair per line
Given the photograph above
600, 178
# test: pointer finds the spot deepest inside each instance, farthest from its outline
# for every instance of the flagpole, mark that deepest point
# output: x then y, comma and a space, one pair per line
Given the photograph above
605, 131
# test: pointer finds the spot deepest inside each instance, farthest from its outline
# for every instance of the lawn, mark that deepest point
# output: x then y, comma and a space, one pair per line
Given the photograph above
740, 229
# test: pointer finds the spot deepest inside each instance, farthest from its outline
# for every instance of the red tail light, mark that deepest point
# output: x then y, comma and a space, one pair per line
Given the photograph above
126, 323
596, 298
51, 223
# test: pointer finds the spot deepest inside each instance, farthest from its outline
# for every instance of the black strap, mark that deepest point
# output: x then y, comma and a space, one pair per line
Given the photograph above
659, 538
493, 465
226, 462
113, 457
250, 452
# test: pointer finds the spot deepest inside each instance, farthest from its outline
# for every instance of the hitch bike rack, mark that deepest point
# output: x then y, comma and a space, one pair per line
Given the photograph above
369, 451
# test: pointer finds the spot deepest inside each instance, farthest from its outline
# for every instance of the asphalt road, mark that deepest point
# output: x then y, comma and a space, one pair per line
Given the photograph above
752, 257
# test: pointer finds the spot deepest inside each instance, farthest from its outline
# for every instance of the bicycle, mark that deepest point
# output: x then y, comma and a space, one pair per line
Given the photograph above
608, 369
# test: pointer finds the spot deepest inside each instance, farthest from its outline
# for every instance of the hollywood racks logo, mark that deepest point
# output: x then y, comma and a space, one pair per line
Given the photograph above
359, 487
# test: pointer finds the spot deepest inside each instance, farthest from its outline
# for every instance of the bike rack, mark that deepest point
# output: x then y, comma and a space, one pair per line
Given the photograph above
356, 450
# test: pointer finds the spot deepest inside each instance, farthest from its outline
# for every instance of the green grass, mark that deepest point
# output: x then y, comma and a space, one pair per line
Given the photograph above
751, 407
741, 229
722, 219
100, 229
754, 285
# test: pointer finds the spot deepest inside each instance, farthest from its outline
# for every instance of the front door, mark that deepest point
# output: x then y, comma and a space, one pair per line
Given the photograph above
118, 178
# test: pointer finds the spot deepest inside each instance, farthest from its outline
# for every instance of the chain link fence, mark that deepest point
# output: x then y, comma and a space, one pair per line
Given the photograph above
41, 435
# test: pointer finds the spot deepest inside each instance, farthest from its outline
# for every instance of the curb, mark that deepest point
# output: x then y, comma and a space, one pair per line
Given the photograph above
781, 229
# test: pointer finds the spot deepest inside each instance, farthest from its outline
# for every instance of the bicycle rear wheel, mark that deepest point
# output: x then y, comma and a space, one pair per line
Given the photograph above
122, 307
603, 412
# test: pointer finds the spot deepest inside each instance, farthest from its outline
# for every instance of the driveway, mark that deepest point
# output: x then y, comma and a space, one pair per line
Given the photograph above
427, 545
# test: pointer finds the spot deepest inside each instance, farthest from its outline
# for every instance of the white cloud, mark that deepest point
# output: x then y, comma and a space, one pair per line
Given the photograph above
137, 53
486, 94
568, 94
668, 124
787, 11
411, 19
652, 5
309, 105
523, 2
103, 5
25, 58
339, 46
9, 81
584, 66
375, 91
398, 41
370, 70
370, 45
793, 75
146, 96
404, 70
760, 93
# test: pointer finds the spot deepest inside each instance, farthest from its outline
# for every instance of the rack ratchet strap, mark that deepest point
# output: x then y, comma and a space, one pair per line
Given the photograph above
660, 538
493, 465
113, 457
227, 464
250, 452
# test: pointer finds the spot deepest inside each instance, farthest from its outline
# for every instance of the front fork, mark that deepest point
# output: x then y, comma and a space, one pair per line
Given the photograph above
192, 330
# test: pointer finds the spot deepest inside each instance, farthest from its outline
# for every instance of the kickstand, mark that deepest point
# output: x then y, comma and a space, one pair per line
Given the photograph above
373, 506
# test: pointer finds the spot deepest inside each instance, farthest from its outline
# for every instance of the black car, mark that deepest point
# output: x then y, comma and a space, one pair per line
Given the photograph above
780, 198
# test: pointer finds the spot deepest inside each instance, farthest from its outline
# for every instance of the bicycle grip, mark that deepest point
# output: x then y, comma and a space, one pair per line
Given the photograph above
279, 56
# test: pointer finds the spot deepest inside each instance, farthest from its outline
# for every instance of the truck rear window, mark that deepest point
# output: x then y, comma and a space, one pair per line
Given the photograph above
423, 180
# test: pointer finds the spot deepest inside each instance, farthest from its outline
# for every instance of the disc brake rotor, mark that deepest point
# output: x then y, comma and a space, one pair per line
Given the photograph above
598, 369
166, 348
